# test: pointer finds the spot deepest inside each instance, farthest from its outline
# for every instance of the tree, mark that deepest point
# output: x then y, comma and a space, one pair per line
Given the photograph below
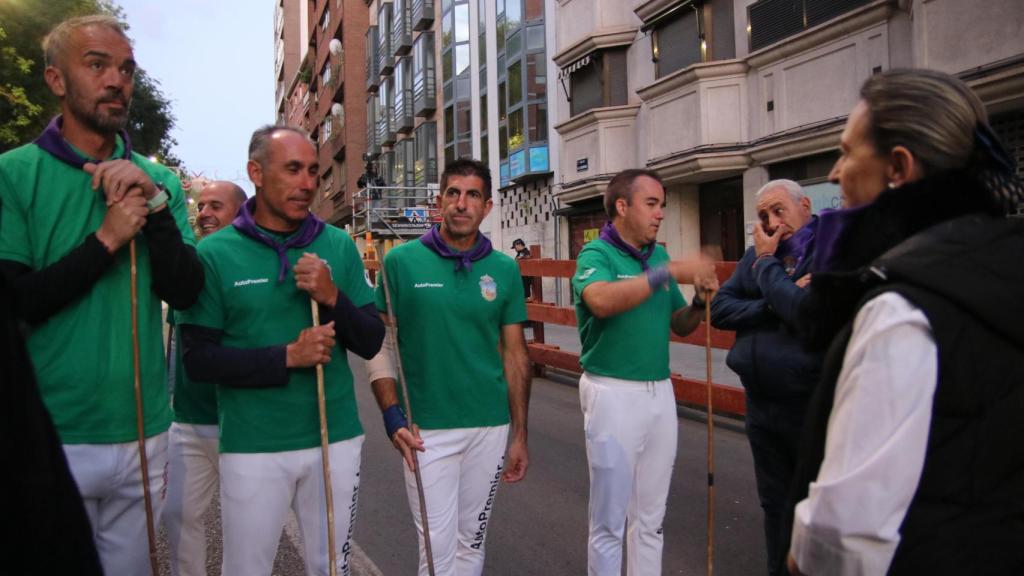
26, 104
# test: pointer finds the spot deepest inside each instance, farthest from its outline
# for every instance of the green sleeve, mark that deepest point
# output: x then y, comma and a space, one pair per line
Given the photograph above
208, 311
15, 240
356, 283
591, 266
514, 310
177, 206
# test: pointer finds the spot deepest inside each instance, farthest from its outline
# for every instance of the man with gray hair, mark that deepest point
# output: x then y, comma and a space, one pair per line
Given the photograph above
72, 201
760, 302
251, 334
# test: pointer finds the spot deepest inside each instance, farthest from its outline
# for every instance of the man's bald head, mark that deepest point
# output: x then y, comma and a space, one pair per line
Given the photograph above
219, 202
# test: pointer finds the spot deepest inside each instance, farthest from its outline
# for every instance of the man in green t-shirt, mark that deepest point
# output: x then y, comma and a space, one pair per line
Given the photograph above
250, 333
459, 309
627, 300
72, 201
192, 464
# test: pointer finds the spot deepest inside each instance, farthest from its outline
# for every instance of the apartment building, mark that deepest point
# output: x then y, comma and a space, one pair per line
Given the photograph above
721, 96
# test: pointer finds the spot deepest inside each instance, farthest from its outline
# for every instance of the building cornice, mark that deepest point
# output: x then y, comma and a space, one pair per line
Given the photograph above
874, 13
651, 8
691, 74
595, 115
1000, 84
603, 38
694, 167
807, 140
584, 190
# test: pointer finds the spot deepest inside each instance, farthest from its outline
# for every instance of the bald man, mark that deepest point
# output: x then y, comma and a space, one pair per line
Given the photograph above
193, 473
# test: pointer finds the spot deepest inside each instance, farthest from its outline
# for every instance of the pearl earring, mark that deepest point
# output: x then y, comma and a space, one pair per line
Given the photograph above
892, 185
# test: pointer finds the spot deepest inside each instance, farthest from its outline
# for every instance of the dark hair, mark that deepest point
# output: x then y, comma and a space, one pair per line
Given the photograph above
621, 186
467, 167
262, 135
930, 113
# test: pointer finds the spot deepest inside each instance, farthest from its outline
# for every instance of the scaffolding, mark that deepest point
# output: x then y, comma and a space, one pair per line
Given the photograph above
395, 212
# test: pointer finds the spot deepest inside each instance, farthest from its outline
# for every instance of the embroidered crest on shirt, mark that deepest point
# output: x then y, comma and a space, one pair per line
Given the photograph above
488, 288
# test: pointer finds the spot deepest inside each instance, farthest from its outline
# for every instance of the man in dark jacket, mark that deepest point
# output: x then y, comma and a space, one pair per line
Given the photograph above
760, 303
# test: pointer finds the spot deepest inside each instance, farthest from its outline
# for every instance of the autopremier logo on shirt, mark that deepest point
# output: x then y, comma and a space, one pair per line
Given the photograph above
623, 276
249, 281
428, 285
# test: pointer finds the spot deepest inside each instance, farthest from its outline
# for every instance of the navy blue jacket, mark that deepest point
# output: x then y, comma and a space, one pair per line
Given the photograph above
761, 304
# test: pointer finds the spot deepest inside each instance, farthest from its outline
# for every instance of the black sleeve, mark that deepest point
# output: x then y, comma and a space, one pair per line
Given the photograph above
40, 294
359, 329
205, 360
177, 271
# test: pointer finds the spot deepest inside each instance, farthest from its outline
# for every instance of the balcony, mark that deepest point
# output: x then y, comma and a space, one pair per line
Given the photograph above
596, 145
401, 30
385, 55
337, 77
336, 143
372, 62
403, 117
424, 83
695, 120
422, 14
579, 21
386, 134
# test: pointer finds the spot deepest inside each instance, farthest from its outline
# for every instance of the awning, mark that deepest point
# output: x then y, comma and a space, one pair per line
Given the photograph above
565, 72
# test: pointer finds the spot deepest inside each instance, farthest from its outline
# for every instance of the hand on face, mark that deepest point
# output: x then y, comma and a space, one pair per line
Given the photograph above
766, 243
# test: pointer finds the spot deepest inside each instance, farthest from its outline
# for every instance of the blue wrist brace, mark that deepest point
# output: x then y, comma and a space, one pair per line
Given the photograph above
394, 418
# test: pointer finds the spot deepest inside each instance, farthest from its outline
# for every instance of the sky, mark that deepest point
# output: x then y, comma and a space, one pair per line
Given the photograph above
214, 60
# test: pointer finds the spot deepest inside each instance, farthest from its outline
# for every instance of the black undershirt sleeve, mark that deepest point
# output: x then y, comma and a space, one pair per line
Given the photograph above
206, 360
40, 294
358, 329
176, 270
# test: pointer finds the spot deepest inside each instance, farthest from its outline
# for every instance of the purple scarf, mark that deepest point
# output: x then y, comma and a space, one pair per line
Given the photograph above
831, 225
481, 249
792, 250
53, 142
610, 235
311, 228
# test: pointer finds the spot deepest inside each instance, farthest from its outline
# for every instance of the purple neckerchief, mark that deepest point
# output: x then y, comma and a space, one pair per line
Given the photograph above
796, 246
481, 249
53, 142
311, 228
610, 235
831, 226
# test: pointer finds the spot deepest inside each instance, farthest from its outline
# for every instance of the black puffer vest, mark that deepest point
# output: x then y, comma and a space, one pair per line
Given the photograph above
966, 275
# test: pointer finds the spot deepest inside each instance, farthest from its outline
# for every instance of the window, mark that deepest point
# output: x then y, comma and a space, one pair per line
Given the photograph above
515, 84
464, 112
403, 95
536, 79
372, 71
326, 21
774, 20
538, 122
385, 54
534, 10
372, 145
515, 129
676, 42
513, 14
599, 83
325, 75
424, 88
425, 171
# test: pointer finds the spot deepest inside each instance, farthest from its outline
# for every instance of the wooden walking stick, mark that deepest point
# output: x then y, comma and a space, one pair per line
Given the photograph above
393, 335
325, 455
711, 443
139, 415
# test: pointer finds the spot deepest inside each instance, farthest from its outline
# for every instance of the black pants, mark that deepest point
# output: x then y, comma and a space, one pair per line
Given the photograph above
773, 429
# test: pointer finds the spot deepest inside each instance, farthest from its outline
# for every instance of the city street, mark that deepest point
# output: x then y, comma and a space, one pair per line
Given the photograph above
539, 527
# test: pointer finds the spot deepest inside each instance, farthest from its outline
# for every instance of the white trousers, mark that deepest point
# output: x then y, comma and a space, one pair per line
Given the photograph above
109, 477
631, 448
192, 479
257, 490
461, 469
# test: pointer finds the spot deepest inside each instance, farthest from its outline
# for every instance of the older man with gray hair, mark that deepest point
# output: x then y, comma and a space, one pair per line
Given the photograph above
760, 302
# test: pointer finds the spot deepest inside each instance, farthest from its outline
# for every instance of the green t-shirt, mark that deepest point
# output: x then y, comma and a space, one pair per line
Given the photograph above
193, 402
632, 345
243, 299
449, 325
83, 354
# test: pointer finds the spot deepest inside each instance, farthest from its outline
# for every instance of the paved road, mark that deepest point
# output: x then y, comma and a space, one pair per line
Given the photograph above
539, 527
